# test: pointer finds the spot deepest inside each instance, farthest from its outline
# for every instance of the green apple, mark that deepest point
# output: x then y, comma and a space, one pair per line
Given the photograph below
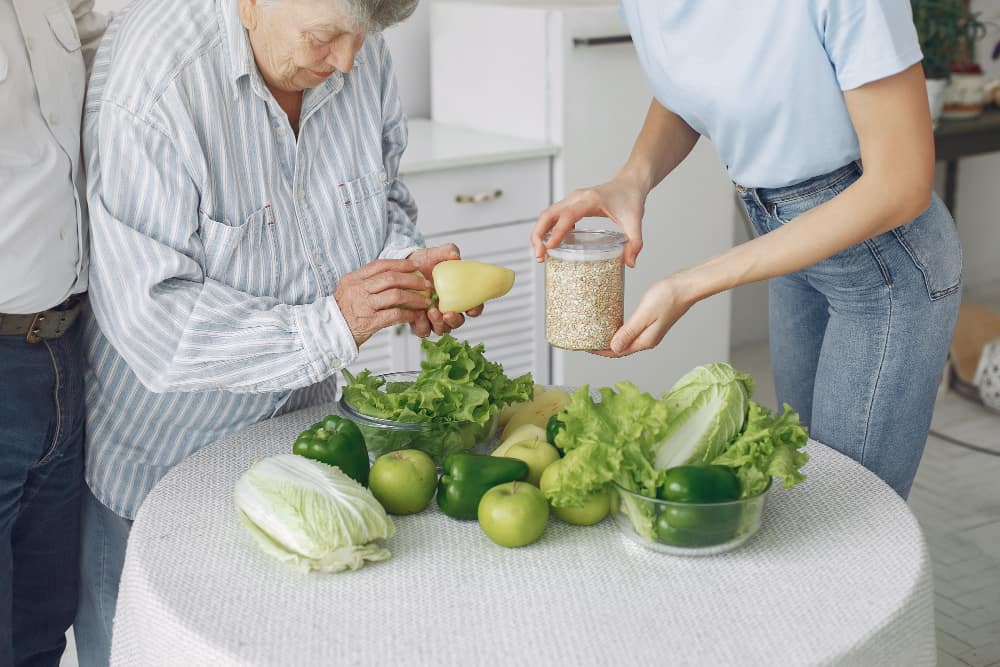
526, 432
513, 514
538, 454
593, 509
404, 481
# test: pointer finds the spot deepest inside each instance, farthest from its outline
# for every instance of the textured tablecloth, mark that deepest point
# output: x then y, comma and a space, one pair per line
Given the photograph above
838, 574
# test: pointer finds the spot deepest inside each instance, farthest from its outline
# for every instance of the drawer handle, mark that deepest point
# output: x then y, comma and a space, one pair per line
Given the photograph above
602, 41
479, 197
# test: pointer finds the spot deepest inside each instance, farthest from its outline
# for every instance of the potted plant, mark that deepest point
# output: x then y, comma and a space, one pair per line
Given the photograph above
948, 31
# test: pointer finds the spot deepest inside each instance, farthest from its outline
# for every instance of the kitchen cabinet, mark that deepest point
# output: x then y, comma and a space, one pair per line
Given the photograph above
566, 73
482, 192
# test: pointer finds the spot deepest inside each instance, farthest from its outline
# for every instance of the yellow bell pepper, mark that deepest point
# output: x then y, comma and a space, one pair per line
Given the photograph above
462, 284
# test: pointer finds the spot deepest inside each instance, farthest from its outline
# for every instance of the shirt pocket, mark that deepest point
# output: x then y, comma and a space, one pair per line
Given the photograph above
365, 207
60, 77
246, 257
931, 241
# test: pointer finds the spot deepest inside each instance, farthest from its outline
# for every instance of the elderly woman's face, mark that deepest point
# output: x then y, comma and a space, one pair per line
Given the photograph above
299, 43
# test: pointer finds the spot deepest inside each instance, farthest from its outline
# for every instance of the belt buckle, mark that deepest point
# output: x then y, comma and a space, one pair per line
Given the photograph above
35, 328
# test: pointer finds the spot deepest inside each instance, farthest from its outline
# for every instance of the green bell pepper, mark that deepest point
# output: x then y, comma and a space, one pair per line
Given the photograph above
552, 428
336, 441
703, 514
467, 477
699, 484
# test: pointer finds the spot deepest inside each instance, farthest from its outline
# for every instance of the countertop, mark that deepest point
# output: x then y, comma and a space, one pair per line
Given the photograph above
434, 146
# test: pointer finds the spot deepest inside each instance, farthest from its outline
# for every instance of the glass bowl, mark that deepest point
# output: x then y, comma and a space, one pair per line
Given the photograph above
686, 529
438, 439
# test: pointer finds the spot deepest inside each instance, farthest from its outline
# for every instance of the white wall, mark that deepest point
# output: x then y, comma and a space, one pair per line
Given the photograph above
409, 43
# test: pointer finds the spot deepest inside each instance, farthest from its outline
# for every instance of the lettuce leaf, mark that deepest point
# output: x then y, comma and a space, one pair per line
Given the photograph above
458, 392
768, 446
606, 441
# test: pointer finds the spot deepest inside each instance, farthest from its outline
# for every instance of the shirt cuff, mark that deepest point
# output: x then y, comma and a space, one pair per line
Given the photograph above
398, 252
328, 341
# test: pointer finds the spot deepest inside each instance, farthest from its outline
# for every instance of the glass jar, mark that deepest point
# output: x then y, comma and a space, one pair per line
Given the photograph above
585, 290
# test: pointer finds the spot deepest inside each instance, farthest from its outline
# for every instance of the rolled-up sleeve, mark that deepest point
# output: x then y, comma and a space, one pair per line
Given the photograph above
402, 236
870, 40
176, 327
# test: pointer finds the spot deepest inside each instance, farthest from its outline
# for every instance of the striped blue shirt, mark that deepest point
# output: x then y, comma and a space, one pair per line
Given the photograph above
218, 239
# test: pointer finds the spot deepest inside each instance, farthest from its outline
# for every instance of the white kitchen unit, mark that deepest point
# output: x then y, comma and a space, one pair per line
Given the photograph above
566, 73
482, 192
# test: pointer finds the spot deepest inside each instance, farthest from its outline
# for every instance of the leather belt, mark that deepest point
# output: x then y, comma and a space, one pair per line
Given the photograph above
46, 325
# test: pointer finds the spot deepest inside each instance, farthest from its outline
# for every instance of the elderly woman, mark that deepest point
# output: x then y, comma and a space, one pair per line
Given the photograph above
249, 233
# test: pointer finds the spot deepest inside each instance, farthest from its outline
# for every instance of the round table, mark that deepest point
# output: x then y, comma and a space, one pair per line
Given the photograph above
838, 574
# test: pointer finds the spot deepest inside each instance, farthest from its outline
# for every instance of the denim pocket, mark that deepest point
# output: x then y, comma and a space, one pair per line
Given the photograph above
784, 211
931, 241
245, 256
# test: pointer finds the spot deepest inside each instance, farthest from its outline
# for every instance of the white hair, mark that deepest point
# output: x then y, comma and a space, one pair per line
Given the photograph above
374, 15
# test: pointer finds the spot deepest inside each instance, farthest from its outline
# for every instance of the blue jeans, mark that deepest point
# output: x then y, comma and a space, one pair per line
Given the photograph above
105, 536
859, 340
41, 471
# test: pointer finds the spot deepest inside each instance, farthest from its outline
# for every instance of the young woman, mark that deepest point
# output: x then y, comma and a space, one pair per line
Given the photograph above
819, 110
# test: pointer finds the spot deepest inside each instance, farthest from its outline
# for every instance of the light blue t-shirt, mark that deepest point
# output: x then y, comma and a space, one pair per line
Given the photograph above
763, 79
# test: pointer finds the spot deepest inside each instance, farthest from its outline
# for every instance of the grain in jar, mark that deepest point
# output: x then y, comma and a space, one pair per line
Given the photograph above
584, 290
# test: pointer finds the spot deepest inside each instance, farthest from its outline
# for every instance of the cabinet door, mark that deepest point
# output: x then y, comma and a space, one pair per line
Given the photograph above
510, 327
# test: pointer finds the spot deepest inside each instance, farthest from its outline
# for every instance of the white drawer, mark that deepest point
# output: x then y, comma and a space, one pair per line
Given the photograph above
456, 199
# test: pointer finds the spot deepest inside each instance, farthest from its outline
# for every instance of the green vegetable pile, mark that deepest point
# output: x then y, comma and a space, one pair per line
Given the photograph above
457, 397
707, 418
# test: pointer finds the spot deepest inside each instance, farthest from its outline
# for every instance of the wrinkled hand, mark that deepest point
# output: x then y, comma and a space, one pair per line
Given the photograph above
659, 309
433, 319
372, 298
618, 200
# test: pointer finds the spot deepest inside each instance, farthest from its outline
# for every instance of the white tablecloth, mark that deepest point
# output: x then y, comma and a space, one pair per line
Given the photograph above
838, 574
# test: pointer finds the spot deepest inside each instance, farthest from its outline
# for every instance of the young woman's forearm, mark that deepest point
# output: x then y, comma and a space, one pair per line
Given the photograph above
862, 211
663, 143
893, 124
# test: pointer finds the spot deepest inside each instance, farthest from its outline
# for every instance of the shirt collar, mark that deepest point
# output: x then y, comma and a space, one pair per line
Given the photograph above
236, 44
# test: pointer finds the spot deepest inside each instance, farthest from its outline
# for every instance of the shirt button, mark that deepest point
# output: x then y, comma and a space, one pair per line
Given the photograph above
302, 194
280, 132
27, 43
53, 119
318, 258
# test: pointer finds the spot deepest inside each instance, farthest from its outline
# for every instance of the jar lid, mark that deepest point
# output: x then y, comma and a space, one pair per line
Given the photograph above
591, 240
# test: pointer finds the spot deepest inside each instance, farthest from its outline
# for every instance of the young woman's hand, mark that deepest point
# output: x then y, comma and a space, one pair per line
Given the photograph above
660, 307
620, 200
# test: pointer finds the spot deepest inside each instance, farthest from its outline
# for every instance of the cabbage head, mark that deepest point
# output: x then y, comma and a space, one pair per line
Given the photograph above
707, 407
311, 515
